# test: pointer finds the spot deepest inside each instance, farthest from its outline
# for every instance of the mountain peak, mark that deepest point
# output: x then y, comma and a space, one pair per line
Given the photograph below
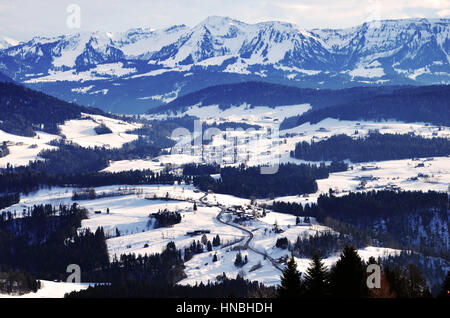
217, 20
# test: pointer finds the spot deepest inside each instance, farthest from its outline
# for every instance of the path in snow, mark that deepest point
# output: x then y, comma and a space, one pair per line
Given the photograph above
247, 243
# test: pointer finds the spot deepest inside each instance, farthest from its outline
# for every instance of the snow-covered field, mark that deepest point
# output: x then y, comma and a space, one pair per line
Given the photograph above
267, 145
422, 174
51, 289
129, 214
408, 175
202, 269
138, 164
24, 149
81, 131
242, 113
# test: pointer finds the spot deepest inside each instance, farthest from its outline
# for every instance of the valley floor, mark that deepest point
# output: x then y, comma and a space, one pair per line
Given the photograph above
129, 212
129, 215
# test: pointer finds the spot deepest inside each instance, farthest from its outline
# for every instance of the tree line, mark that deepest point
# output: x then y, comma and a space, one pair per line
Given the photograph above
44, 239
227, 287
413, 220
4, 150
17, 282
7, 200
290, 179
348, 277
409, 104
25, 180
374, 147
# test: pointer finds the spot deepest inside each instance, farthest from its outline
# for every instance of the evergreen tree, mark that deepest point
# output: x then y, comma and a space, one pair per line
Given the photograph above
238, 262
199, 248
204, 239
216, 240
348, 276
215, 258
291, 285
316, 278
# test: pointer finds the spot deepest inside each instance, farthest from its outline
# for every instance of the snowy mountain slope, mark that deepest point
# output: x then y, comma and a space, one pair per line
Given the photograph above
184, 59
142, 43
6, 42
262, 43
403, 45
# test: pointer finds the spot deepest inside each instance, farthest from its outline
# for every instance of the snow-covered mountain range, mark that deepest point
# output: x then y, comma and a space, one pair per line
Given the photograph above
154, 66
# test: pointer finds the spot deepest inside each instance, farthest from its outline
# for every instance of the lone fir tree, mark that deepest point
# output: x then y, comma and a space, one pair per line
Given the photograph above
348, 276
291, 285
316, 278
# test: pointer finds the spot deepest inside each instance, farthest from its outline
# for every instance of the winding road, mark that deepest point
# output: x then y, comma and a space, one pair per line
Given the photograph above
247, 243
250, 235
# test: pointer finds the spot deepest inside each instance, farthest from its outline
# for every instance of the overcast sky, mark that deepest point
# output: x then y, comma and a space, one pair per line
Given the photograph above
23, 19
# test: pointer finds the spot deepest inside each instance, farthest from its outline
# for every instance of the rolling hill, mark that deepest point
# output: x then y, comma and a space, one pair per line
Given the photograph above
23, 110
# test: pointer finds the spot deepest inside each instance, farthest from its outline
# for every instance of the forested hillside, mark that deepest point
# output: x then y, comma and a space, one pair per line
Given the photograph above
411, 219
23, 110
375, 147
428, 104
268, 94
290, 179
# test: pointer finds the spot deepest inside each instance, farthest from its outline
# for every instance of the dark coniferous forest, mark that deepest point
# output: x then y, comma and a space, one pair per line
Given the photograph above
22, 110
375, 147
412, 104
49, 236
290, 179
407, 219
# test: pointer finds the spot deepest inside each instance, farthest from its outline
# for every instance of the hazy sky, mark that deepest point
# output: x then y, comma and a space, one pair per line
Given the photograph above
23, 19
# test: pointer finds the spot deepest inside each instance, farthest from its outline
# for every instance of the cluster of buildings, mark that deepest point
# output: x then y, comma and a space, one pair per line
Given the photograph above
246, 213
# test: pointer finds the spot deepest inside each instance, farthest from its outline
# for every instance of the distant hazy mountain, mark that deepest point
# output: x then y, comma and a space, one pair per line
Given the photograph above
142, 68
